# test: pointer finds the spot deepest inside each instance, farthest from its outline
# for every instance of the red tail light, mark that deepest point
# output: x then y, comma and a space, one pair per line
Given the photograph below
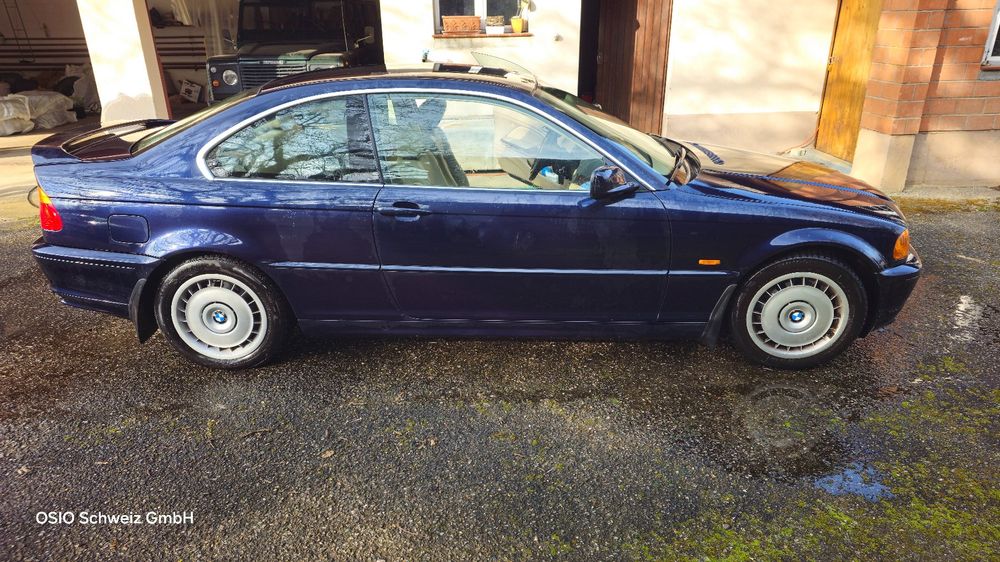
47, 213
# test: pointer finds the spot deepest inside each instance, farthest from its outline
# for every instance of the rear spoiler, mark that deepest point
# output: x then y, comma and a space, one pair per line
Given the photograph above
99, 144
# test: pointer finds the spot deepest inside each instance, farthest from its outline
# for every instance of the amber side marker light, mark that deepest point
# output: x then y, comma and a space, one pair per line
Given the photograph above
47, 213
901, 250
709, 262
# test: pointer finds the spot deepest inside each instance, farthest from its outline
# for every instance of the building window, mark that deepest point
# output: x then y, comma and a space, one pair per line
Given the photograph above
480, 8
992, 55
505, 8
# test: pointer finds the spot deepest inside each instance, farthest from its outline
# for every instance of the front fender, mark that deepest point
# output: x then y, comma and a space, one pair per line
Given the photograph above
815, 238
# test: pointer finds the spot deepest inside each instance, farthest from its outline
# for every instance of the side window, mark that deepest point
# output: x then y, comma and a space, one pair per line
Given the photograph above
467, 141
324, 140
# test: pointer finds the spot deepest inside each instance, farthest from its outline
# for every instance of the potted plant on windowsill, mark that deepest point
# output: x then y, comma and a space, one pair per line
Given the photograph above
460, 24
517, 23
494, 25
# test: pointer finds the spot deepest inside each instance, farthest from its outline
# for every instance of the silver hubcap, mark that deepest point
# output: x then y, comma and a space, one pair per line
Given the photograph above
219, 316
798, 315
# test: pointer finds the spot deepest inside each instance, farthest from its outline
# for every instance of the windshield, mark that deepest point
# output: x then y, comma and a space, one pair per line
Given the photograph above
163, 133
276, 20
651, 149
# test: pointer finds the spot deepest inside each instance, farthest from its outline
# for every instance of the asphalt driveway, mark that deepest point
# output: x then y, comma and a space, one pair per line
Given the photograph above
476, 449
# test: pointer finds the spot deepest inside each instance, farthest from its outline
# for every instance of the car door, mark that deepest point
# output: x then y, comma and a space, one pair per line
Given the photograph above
486, 215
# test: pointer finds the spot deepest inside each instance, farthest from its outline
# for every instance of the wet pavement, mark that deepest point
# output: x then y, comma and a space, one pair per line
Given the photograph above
476, 449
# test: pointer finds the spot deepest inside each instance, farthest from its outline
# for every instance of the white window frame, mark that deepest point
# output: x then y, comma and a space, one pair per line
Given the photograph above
988, 58
479, 9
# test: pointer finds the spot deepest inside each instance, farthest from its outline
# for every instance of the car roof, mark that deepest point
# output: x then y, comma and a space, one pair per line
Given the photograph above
441, 71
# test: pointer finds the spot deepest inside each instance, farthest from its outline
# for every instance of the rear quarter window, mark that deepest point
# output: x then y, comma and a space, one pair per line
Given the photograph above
322, 140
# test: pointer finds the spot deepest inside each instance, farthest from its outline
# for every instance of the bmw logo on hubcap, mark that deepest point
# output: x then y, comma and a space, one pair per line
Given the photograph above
219, 317
796, 316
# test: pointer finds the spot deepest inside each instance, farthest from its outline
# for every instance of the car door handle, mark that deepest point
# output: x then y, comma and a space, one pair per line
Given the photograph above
403, 209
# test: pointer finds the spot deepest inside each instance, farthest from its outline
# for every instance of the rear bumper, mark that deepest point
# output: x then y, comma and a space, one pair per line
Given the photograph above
95, 280
894, 287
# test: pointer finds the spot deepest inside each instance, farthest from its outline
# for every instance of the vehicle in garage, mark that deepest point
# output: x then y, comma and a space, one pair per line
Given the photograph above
278, 38
467, 201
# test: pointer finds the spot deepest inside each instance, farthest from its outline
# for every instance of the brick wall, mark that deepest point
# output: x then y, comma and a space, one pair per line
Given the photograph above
957, 99
926, 69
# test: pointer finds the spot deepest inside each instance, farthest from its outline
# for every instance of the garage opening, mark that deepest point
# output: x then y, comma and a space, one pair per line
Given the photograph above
44, 82
205, 49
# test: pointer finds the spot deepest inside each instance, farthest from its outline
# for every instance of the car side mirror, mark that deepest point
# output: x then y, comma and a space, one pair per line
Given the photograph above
609, 181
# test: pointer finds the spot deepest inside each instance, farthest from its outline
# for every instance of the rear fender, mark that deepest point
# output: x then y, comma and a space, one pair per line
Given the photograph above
177, 246
204, 240
171, 249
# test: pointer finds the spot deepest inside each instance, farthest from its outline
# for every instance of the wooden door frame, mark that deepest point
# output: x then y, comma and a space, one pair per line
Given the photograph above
823, 108
829, 63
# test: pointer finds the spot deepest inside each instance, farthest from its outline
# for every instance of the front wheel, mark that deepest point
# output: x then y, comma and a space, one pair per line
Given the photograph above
798, 312
221, 313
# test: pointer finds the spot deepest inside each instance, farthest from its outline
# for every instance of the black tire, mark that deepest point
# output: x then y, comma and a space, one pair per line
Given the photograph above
804, 268
266, 314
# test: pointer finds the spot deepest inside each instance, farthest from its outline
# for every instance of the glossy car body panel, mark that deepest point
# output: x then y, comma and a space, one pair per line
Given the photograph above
92, 279
474, 261
894, 287
536, 255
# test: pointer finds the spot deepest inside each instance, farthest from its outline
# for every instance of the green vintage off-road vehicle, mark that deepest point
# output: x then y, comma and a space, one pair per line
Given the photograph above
277, 38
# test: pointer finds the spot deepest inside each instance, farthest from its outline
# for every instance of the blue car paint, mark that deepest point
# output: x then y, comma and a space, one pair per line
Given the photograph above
128, 229
543, 255
562, 265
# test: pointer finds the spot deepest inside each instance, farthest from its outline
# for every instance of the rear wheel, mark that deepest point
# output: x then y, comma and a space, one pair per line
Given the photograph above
798, 312
221, 313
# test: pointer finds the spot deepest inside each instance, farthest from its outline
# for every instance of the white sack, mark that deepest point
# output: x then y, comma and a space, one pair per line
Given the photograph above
14, 107
15, 125
54, 119
41, 102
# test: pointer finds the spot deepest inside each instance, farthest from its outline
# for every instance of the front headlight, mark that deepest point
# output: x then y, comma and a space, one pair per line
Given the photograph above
320, 62
901, 250
230, 77
324, 66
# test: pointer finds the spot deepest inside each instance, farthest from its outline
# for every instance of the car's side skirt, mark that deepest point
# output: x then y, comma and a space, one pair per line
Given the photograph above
571, 330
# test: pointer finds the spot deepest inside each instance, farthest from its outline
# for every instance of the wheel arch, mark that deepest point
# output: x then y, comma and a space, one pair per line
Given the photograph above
850, 249
141, 301
857, 248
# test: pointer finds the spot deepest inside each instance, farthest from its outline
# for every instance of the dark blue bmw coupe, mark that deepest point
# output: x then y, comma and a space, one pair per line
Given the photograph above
465, 201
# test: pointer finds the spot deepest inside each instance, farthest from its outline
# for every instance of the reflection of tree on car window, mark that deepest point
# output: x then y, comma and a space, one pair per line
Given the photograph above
324, 140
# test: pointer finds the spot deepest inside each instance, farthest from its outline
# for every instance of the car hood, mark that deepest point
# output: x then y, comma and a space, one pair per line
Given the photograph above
296, 51
733, 169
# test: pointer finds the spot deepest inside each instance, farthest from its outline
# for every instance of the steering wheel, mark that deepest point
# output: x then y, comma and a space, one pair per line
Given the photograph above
536, 168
